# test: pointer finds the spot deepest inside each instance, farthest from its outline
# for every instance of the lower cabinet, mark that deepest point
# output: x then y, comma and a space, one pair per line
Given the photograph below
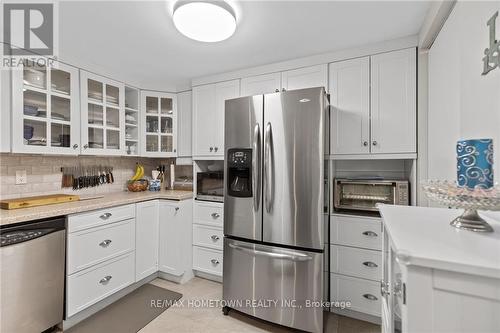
356, 264
208, 238
175, 236
146, 239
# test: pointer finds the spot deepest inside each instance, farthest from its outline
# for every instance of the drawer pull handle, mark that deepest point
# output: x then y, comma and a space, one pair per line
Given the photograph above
370, 234
215, 238
105, 279
105, 216
215, 215
105, 243
370, 264
214, 261
370, 297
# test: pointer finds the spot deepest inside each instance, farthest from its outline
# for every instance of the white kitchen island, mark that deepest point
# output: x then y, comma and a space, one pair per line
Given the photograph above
437, 278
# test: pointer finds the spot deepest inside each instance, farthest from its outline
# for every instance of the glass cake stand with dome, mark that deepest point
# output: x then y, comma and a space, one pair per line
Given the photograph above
449, 194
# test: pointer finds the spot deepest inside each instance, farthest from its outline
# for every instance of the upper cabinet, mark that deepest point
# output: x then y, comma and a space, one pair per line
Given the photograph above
261, 84
208, 117
159, 124
185, 124
5, 108
373, 103
45, 116
306, 77
393, 102
350, 106
102, 115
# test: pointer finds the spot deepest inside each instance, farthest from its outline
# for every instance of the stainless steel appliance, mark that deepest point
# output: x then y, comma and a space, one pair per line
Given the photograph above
32, 276
363, 195
273, 206
210, 186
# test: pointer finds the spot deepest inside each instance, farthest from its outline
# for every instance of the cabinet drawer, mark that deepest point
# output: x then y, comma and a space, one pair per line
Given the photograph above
208, 236
364, 295
206, 213
98, 282
366, 264
92, 246
356, 231
100, 217
207, 260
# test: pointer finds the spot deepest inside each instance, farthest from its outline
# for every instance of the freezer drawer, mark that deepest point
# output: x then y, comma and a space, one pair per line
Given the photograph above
272, 283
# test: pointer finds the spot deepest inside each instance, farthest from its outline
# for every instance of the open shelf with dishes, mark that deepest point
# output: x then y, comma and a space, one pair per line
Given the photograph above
132, 119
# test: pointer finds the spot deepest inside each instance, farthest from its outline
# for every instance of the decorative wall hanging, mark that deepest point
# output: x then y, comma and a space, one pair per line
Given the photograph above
491, 58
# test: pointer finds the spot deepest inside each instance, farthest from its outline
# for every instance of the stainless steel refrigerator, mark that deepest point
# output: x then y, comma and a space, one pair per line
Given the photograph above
275, 145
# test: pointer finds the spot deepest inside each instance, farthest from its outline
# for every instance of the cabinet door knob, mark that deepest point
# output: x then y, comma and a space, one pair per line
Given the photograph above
176, 208
214, 261
85, 146
370, 297
105, 243
215, 238
105, 279
283, 89
365, 143
75, 146
370, 264
215, 215
277, 90
211, 149
384, 288
375, 143
216, 148
370, 234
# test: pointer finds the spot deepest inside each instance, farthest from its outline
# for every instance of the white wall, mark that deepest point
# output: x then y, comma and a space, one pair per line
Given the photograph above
462, 103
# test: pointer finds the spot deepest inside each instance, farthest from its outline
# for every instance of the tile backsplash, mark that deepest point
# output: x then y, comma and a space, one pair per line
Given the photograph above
44, 173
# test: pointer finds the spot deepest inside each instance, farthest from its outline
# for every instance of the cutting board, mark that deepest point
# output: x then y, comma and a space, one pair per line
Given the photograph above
41, 200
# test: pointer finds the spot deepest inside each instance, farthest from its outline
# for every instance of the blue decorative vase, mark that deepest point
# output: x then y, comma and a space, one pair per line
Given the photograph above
475, 163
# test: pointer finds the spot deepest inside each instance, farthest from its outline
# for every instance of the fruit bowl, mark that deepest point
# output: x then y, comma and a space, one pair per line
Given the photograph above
137, 185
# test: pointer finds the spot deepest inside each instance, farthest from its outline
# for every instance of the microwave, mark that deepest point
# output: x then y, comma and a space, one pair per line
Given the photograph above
210, 186
364, 195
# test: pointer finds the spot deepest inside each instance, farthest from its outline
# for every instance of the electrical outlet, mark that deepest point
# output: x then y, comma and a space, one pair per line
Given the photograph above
21, 177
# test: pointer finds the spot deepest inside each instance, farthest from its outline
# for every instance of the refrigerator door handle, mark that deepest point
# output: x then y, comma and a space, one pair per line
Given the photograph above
268, 168
256, 173
292, 256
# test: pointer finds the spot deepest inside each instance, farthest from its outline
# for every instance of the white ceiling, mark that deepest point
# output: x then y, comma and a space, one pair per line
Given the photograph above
136, 41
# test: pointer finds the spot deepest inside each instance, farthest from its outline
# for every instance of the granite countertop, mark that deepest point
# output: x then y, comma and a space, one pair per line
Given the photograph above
422, 236
108, 200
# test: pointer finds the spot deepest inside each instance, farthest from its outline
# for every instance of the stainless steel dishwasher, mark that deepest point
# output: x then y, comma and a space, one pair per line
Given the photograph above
32, 259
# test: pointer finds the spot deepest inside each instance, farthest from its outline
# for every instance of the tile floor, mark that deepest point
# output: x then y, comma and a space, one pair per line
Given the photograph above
208, 320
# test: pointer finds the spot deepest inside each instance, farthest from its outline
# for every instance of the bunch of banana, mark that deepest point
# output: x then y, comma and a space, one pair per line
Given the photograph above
139, 172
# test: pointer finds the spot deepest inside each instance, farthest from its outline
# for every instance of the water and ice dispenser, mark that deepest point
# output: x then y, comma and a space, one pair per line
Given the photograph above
239, 172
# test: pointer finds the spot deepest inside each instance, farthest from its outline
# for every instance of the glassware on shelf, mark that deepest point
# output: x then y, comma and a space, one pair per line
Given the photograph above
152, 143
35, 132
152, 124
95, 114
60, 135
61, 82
151, 105
166, 125
166, 106
449, 194
112, 94
112, 117
94, 90
60, 108
166, 144
112, 139
96, 138
35, 104
34, 75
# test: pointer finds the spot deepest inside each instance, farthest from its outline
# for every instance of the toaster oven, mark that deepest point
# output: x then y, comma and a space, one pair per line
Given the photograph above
364, 195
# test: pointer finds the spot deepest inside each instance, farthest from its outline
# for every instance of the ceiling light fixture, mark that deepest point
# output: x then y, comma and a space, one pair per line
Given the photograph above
204, 21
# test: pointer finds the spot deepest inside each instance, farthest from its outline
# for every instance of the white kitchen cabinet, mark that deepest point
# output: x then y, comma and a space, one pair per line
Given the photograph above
146, 239
185, 124
45, 115
175, 236
306, 77
350, 106
102, 115
5, 107
208, 117
261, 84
158, 124
393, 102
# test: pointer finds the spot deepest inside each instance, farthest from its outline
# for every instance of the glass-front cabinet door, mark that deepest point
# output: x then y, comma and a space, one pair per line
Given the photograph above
45, 113
102, 115
159, 124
